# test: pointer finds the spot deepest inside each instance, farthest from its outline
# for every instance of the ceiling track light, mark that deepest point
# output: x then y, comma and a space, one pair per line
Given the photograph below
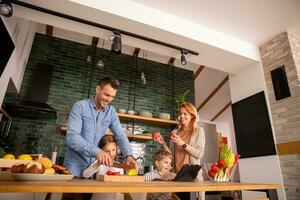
116, 46
183, 58
6, 8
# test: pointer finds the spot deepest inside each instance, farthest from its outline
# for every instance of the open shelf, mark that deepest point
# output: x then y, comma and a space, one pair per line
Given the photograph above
63, 131
147, 120
127, 117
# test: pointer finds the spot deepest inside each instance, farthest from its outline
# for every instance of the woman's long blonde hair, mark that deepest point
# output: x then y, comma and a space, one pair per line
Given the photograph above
193, 111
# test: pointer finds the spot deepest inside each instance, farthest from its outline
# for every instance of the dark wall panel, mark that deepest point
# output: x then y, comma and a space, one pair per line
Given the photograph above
252, 127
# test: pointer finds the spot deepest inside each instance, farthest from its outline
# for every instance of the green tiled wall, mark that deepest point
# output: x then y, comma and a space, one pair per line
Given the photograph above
70, 82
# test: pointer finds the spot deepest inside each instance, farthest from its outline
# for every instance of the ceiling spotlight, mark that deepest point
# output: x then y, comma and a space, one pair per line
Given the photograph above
6, 8
183, 59
116, 46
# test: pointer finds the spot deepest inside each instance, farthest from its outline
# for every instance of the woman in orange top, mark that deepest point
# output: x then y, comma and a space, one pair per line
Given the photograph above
187, 141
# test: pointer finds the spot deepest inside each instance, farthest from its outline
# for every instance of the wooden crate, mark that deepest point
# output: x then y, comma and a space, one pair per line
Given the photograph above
121, 178
7, 163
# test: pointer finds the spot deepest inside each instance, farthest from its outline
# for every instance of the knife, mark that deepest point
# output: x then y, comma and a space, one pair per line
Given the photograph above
123, 166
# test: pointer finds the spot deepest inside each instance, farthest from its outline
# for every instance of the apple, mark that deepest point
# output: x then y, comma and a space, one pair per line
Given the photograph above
171, 135
155, 135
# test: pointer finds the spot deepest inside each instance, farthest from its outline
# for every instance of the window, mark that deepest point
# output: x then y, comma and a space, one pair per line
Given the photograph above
280, 83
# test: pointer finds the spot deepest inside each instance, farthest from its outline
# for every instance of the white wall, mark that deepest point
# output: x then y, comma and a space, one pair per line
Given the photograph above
264, 169
227, 129
22, 33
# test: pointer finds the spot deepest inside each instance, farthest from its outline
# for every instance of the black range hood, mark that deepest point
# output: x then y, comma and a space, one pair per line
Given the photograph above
35, 106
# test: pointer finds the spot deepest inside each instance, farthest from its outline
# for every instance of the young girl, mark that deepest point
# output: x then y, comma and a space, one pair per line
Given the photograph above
109, 145
163, 164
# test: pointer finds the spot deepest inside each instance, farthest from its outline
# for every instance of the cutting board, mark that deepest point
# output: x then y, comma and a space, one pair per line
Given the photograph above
121, 178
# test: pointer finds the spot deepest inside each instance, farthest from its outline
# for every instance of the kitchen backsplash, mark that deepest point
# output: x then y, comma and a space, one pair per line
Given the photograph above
71, 80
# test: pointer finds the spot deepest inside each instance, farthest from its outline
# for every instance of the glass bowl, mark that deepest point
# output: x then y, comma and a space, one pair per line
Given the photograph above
219, 174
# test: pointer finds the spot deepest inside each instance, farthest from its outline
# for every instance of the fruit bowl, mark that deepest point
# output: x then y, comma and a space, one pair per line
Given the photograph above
217, 173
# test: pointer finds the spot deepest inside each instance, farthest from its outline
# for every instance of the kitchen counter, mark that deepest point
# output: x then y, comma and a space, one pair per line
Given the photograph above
92, 186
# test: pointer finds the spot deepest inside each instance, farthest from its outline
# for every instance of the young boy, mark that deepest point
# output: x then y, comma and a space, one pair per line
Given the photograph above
163, 164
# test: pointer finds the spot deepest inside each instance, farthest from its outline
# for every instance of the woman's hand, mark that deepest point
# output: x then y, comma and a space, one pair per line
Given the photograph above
156, 136
176, 139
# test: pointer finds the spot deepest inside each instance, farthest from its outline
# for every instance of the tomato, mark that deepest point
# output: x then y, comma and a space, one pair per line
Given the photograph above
221, 164
211, 174
112, 173
214, 168
109, 172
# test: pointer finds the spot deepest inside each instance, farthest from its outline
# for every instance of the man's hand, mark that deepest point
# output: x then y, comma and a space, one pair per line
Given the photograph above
104, 158
131, 161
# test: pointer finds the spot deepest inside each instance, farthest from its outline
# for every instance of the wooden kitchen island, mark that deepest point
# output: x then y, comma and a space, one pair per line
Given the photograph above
92, 186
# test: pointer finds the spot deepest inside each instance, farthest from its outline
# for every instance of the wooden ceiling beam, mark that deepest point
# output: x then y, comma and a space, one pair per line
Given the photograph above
221, 111
94, 42
49, 30
213, 93
136, 52
199, 70
171, 61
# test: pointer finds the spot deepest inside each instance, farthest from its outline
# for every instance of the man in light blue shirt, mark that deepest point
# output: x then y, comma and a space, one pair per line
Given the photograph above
88, 121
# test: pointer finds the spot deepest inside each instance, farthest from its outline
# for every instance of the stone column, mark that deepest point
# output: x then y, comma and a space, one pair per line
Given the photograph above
284, 49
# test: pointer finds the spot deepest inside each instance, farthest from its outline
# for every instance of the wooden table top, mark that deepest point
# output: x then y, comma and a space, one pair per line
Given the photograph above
92, 186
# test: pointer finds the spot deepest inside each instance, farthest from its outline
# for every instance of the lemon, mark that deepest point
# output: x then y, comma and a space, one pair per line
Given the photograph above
24, 157
131, 172
9, 156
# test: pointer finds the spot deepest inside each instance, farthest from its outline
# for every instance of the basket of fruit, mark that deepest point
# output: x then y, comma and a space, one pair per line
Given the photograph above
224, 168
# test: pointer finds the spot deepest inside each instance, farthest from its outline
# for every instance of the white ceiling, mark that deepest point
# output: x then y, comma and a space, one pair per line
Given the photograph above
226, 33
253, 21
232, 54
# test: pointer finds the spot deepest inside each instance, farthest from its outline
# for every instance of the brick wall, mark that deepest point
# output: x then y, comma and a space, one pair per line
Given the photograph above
295, 47
284, 50
70, 82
